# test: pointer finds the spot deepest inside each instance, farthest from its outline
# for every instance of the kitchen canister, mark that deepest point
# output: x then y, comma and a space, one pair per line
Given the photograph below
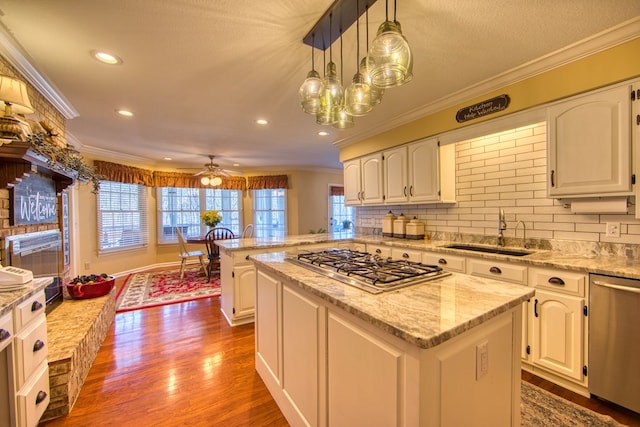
387, 224
415, 229
400, 226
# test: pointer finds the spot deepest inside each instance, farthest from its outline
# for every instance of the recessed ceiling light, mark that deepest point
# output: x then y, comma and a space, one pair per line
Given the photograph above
323, 133
106, 58
262, 121
235, 165
125, 113
167, 158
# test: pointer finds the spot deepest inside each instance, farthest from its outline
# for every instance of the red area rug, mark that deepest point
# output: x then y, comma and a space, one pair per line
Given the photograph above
143, 290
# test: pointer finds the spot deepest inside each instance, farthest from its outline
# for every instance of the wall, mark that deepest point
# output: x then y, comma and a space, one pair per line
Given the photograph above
506, 170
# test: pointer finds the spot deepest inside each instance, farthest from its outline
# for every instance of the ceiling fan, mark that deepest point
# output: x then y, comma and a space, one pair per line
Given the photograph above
214, 170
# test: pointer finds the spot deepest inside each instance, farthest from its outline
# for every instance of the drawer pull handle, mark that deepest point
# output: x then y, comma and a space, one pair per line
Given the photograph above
247, 257
4, 334
38, 345
42, 395
556, 281
378, 251
37, 305
442, 261
495, 270
405, 255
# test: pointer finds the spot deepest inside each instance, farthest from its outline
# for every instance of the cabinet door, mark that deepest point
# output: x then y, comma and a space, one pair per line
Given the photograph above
267, 324
363, 377
302, 353
352, 187
589, 145
395, 175
244, 290
372, 189
424, 171
226, 286
557, 333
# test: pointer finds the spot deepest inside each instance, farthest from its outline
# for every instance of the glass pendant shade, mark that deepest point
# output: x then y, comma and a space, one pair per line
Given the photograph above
358, 96
309, 93
331, 96
375, 93
389, 61
345, 120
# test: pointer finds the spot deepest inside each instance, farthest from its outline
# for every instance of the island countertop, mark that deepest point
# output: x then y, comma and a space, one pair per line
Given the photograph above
10, 299
424, 315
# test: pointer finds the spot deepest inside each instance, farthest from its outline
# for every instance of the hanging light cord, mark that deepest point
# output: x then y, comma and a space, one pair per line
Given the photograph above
341, 67
330, 34
394, 11
366, 14
313, 42
357, 34
386, 10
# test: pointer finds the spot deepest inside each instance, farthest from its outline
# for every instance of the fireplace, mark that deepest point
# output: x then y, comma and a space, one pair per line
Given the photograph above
39, 252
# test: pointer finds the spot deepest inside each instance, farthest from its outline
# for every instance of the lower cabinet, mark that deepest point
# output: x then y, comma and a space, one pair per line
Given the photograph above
237, 288
325, 367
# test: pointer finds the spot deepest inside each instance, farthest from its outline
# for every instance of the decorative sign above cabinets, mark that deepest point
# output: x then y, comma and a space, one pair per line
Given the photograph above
483, 108
34, 201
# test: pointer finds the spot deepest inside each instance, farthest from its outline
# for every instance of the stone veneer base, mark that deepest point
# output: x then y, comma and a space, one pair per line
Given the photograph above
76, 329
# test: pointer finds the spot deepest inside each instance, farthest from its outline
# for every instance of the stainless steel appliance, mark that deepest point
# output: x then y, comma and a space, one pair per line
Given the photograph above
369, 272
614, 340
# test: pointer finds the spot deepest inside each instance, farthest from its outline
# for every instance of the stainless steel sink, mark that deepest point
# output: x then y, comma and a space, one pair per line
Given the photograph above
501, 251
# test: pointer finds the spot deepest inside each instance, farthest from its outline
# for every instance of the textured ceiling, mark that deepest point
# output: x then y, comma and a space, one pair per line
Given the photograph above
198, 73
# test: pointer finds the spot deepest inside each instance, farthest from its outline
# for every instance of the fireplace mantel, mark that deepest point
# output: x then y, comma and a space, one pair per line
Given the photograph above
17, 159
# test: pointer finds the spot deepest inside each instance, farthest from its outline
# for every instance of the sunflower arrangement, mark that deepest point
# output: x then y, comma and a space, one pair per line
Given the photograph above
211, 218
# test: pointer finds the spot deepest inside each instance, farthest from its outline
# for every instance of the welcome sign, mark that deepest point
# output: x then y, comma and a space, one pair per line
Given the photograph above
34, 201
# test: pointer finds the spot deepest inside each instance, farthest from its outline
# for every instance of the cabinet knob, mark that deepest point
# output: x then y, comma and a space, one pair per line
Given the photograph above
442, 261
38, 345
42, 395
4, 334
37, 305
495, 270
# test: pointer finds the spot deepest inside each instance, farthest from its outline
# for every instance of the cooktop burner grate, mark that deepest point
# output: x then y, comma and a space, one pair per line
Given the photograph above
366, 271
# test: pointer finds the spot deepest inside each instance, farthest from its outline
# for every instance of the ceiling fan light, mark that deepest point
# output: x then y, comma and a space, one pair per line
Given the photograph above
204, 180
358, 97
389, 60
215, 181
309, 93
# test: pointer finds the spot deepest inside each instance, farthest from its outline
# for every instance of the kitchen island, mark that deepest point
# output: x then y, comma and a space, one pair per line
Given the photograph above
443, 352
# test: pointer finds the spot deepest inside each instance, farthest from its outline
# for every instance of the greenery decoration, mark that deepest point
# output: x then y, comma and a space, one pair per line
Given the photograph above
211, 218
65, 158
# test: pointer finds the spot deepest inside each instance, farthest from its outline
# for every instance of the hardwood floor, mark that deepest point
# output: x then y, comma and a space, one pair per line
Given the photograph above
182, 364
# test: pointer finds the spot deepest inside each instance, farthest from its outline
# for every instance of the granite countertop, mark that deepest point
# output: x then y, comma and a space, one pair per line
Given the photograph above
8, 300
575, 260
424, 315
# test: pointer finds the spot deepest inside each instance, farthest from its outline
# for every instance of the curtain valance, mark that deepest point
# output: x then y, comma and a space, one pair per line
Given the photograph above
122, 173
267, 182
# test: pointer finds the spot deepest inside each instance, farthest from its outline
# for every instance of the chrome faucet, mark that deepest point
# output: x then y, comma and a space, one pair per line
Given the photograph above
524, 233
502, 226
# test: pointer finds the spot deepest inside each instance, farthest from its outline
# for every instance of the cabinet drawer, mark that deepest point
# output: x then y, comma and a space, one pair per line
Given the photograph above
33, 398
406, 254
558, 280
381, 250
499, 271
31, 349
446, 261
6, 330
28, 310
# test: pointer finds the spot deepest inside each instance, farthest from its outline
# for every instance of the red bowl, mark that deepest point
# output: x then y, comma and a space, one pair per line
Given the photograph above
92, 290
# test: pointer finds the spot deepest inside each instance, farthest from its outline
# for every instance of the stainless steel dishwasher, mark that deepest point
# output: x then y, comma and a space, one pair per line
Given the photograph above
614, 340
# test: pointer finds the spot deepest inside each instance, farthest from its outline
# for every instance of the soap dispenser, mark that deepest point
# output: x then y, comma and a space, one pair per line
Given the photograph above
387, 224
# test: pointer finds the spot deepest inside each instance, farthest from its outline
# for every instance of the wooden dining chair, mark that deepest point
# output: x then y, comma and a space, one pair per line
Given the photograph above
185, 254
213, 251
248, 231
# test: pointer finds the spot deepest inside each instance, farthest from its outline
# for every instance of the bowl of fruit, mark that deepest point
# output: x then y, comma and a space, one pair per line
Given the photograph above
90, 286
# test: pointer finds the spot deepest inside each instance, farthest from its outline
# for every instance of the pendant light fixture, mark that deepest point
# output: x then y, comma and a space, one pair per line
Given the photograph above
331, 94
390, 62
375, 92
345, 120
358, 94
310, 89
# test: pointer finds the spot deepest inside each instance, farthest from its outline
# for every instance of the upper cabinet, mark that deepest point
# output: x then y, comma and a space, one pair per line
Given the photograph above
420, 172
363, 180
589, 152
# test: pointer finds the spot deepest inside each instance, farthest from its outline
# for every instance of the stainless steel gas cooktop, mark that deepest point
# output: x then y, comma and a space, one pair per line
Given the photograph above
369, 272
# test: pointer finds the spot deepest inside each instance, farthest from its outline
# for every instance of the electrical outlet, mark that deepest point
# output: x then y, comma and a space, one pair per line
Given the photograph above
87, 266
613, 229
482, 359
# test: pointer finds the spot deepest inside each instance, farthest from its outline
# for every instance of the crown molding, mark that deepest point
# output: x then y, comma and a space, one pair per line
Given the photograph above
607, 39
20, 61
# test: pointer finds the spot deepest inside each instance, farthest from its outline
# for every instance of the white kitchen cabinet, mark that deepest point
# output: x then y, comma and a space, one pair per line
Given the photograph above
499, 270
363, 180
635, 135
589, 145
412, 255
419, 172
7, 387
237, 287
380, 250
448, 262
268, 324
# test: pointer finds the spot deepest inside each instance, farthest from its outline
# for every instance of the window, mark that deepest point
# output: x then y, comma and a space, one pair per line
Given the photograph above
181, 207
122, 216
341, 217
270, 213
